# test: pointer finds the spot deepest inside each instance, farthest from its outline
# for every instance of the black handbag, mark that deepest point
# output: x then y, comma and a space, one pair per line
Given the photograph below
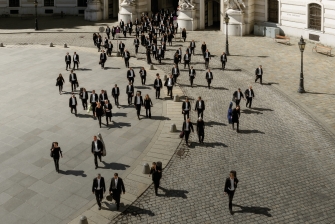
51, 154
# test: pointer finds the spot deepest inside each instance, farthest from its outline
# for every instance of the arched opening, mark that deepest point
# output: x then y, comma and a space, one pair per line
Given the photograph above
212, 14
314, 16
273, 10
157, 5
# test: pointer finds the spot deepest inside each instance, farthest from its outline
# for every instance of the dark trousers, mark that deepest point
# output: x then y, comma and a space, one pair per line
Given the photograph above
136, 49
138, 108
74, 108
259, 77
154, 54
209, 83
200, 113
249, 102
192, 50
68, 65
126, 61
201, 136
98, 46
60, 88
158, 92
175, 77
156, 185
187, 63
109, 51
206, 62
74, 65
237, 101
148, 112
96, 155
179, 58
223, 64
73, 85
159, 58
191, 81
99, 196
117, 197
170, 91
116, 99
56, 161
187, 135
131, 79
143, 79
103, 63
186, 114
237, 124
108, 116
99, 118
84, 102
108, 34
231, 195
121, 52
93, 108
130, 98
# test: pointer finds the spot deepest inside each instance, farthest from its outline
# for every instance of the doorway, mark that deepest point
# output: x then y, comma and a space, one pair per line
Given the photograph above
273, 9
212, 14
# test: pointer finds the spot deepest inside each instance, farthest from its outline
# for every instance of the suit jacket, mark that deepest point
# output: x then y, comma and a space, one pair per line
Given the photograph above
128, 74
81, 94
121, 46
74, 76
247, 93
143, 73
136, 42
131, 89
102, 184
189, 57
224, 57
117, 92
105, 97
209, 54
96, 97
135, 100
190, 126
100, 146
200, 127
184, 106
119, 188
191, 45
77, 57
158, 82
257, 71
207, 75
191, 72
108, 106
108, 30
147, 103
228, 184
173, 73
103, 57
197, 105
235, 95
167, 81
126, 55
68, 58
70, 101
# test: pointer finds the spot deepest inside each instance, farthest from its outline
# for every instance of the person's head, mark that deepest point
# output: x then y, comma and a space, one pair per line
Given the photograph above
199, 119
250, 87
67, 53
188, 119
209, 70
71, 70
154, 164
115, 85
206, 50
147, 96
260, 66
84, 90
103, 51
98, 104
93, 91
204, 42
102, 91
129, 83
60, 75
171, 76
55, 144
186, 99
73, 95
130, 68
106, 102
199, 98
75, 53
138, 94
232, 174
192, 40
174, 65
237, 107
95, 138
239, 89
99, 176
191, 67
116, 175
224, 53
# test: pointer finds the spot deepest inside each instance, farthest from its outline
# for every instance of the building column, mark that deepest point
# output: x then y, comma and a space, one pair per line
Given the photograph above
202, 14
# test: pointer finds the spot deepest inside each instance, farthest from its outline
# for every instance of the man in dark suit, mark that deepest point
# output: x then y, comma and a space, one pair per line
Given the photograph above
126, 58
108, 31
75, 60
158, 85
143, 74
159, 55
179, 54
175, 72
249, 94
223, 60
154, 51
68, 61
259, 74
99, 188
192, 46
121, 48
207, 57
191, 74
73, 104
117, 187
187, 128
136, 43
230, 188
238, 95
131, 75
73, 80
186, 107
96, 150
102, 97
200, 107
138, 103
209, 77
187, 59
116, 94
130, 92
93, 100
121, 24
103, 58
169, 84
156, 172
83, 95
109, 49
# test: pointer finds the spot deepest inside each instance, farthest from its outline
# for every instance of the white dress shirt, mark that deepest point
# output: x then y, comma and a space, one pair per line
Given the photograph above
73, 101
231, 185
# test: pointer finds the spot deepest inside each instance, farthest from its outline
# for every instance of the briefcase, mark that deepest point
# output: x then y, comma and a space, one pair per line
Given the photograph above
181, 135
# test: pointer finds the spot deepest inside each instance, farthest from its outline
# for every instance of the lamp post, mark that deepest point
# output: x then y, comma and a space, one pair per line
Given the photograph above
36, 24
226, 19
302, 45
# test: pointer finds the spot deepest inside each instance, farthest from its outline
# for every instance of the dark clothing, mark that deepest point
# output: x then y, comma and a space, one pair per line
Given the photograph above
186, 110
147, 105
187, 132
117, 190
229, 192
130, 93
158, 85
116, 94
99, 112
84, 97
169, 87
235, 95
108, 111
68, 61
209, 77
59, 82
97, 153
103, 58
138, 105
73, 107
249, 97
200, 108
143, 74
156, 175
56, 153
259, 74
235, 117
99, 192
201, 130
73, 81
223, 60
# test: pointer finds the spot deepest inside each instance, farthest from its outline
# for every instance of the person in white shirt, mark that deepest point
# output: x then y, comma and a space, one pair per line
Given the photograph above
169, 82
249, 94
191, 73
238, 95
230, 188
186, 107
138, 103
259, 74
187, 128
99, 188
117, 187
75, 61
73, 104
96, 149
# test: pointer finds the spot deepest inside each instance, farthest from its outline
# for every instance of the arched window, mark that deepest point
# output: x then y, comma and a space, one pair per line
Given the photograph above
314, 13
273, 11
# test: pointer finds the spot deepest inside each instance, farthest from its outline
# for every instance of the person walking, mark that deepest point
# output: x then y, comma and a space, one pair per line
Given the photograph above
203, 48
96, 149
187, 60
117, 187
131, 75
235, 117
230, 188
67, 61
169, 84
209, 77
200, 107
99, 112
103, 59
223, 60
237, 96
116, 94
230, 113
183, 34
126, 57
75, 61
93, 101
187, 128
73, 81
191, 73
156, 174
56, 153
83, 95
108, 32
108, 111
59, 82
192, 46
175, 72
121, 48
186, 107
143, 74
249, 94
73, 104
207, 57
99, 188
130, 92
109, 48
201, 130
136, 44
138, 103
102, 97
259, 74
147, 105
158, 86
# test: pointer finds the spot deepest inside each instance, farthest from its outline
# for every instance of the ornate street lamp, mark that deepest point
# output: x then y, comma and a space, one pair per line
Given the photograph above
302, 45
226, 19
36, 24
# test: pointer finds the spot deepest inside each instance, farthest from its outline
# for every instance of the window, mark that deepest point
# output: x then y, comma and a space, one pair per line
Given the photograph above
82, 3
273, 11
49, 3
14, 3
314, 16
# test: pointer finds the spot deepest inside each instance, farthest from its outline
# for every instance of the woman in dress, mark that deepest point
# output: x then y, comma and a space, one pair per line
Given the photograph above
56, 153
59, 82
147, 105
99, 112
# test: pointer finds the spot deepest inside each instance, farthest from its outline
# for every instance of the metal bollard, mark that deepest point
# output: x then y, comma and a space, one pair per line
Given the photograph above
65, 45
176, 98
146, 168
165, 77
173, 128
151, 67
1, 44
83, 220
51, 45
